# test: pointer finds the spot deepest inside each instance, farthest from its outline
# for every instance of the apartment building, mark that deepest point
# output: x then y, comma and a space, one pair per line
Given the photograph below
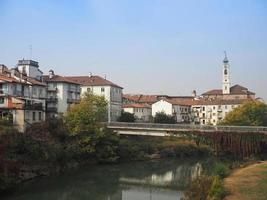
212, 112
101, 86
181, 110
142, 112
22, 97
61, 93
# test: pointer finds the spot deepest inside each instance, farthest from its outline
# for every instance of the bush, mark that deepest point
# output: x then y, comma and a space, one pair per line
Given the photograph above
205, 188
221, 170
162, 118
126, 117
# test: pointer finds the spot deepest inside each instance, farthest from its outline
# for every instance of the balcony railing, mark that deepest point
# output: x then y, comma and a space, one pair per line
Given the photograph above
51, 109
52, 99
35, 106
70, 100
52, 89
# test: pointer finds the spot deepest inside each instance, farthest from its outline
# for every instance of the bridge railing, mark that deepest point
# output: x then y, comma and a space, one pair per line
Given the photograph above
187, 127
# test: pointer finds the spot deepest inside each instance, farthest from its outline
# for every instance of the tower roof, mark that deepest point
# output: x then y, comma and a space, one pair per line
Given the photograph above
225, 60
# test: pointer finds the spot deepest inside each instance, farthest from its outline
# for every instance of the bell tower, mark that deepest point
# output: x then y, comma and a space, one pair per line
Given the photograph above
226, 75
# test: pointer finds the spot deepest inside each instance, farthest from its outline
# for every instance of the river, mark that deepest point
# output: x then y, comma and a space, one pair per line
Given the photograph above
150, 180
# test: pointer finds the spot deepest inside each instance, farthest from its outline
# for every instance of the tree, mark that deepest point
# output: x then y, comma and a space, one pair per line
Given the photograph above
163, 118
86, 115
126, 117
250, 113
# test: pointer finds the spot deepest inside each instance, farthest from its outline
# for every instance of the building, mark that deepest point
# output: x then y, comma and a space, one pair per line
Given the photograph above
227, 92
179, 109
101, 86
22, 97
142, 112
212, 112
212, 107
61, 93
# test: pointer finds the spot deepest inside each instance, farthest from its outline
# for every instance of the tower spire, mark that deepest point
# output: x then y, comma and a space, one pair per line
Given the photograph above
225, 60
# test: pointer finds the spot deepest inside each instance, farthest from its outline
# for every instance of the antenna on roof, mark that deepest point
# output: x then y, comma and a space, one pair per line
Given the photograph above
105, 77
30, 48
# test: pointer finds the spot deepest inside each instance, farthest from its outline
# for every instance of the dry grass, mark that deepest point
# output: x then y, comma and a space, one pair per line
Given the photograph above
249, 183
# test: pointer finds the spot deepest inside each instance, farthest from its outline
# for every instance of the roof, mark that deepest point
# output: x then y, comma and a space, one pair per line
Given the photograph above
136, 105
150, 99
92, 81
8, 79
57, 78
181, 102
219, 102
236, 89
34, 81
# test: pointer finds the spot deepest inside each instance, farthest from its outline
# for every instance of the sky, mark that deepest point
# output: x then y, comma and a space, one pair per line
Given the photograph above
146, 46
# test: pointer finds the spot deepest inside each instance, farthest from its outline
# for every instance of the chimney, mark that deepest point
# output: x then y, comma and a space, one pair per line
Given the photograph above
51, 73
194, 93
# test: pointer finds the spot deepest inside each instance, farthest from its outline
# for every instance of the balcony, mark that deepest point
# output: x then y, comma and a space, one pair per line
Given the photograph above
70, 100
51, 109
35, 106
52, 99
51, 89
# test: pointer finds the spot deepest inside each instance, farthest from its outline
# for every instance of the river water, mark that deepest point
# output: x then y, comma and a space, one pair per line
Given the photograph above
152, 180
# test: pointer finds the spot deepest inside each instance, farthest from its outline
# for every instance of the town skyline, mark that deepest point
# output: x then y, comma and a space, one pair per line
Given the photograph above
162, 50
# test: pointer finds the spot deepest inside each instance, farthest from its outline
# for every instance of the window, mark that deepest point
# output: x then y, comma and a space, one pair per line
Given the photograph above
88, 89
40, 116
203, 121
2, 100
214, 114
33, 116
203, 114
214, 107
226, 107
225, 72
102, 89
203, 108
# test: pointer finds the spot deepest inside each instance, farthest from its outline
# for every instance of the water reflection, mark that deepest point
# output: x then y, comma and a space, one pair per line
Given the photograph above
142, 180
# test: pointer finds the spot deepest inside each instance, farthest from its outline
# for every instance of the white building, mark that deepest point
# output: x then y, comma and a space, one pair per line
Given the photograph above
61, 93
173, 107
103, 87
22, 98
212, 112
142, 112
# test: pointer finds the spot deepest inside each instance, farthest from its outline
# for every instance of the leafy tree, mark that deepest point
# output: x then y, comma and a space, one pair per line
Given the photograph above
126, 117
250, 113
163, 118
86, 115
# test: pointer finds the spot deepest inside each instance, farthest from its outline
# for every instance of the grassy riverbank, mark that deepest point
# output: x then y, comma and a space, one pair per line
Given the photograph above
248, 183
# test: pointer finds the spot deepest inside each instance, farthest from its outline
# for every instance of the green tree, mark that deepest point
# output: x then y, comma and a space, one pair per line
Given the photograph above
86, 115
126, 117
250, 113
163, 118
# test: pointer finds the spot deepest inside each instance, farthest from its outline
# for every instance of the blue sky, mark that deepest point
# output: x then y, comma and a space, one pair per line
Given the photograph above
146, 46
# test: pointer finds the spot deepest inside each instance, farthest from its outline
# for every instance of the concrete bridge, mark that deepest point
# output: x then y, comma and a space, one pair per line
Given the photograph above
152, 129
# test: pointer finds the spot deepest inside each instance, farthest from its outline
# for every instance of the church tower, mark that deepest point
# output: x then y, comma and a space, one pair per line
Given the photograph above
226, 76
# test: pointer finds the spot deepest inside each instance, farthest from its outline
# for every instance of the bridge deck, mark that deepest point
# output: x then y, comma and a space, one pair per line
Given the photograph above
183, 127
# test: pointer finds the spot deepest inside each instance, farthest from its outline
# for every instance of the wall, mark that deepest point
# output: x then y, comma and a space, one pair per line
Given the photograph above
162, 106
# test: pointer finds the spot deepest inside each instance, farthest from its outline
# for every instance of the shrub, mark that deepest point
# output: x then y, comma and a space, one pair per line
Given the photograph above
162, 118
221, 170
126, 117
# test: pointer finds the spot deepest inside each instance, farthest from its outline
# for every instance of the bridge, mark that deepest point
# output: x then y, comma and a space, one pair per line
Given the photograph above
240, 141
152, 129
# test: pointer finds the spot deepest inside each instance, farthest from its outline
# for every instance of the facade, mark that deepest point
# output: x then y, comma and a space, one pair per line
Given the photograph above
100, 86
206, 112
61, 93
22, 98
176, 108
142, 112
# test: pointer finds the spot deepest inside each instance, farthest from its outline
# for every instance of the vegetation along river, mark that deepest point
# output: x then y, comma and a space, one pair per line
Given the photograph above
146, 180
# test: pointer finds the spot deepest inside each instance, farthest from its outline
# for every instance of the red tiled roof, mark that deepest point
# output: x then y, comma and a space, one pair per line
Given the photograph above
9, 79
136, 105
220, 102
61, 79
92, 81
236, 89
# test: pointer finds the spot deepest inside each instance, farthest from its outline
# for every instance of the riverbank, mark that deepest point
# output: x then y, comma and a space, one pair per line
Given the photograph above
248, 183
